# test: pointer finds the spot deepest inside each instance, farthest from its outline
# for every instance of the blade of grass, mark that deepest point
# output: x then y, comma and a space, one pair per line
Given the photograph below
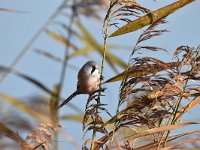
55, 58
93, 43
27, 78
11, 10
23, 107
82, 51
60, 39
150, 18
73, 117
54, 100
89, 49
77, 118
4, 130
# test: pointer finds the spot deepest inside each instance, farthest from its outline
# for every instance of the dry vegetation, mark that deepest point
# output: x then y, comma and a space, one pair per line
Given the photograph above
153, 97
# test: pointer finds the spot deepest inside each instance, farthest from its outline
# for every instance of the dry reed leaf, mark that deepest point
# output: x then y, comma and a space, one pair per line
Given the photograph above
11, 10
188, 107
142, 70
60, 39
26, 77
4, 130
23, 107
156, 143
157, 130
103, 140
173, 146
53, 104
117, 143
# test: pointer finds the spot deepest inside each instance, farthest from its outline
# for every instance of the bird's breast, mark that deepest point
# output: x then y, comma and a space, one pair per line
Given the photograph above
88, 85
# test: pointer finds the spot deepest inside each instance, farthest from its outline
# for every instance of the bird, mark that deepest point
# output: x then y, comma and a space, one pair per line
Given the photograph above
88, 81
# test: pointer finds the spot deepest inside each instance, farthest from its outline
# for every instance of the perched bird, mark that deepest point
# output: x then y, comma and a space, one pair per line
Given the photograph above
88, 80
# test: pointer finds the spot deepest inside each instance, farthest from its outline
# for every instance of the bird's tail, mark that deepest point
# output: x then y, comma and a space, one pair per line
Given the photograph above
68, 99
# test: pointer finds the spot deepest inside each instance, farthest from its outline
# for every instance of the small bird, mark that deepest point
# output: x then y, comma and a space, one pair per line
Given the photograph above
88, 80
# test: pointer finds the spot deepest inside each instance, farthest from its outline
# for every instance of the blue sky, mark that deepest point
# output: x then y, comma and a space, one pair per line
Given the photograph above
16, 29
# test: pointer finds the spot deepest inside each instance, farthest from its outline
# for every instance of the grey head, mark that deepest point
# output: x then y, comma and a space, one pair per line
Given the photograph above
89, 67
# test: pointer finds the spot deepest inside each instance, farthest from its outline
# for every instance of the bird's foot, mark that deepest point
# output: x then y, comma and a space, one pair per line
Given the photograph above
101, 77
100, 90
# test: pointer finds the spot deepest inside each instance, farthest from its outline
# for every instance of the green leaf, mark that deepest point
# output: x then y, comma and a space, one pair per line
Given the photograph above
150, 18
22, 107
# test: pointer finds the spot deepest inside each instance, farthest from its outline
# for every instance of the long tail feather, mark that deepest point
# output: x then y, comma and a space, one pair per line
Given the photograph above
68, 99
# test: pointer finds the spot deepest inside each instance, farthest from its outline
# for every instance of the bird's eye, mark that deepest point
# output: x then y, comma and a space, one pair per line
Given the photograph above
93, 69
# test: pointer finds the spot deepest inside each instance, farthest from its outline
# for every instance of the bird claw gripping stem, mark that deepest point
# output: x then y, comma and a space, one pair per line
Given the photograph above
100, 90
102, 77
